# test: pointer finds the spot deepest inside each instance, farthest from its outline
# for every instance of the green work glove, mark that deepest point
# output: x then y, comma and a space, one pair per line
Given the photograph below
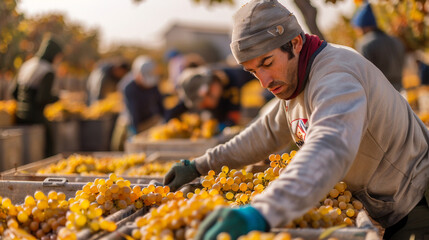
235, 221
181, 173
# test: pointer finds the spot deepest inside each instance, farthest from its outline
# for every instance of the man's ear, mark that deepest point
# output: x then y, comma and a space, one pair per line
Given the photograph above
297, 44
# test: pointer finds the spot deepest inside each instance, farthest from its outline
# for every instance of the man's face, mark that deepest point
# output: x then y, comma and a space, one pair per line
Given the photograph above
212, 97
275, 71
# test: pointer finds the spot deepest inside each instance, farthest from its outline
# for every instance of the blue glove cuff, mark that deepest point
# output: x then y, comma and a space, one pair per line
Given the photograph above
254, 219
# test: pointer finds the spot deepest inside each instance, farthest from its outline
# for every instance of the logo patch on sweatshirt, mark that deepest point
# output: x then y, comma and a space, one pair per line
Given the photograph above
299, 126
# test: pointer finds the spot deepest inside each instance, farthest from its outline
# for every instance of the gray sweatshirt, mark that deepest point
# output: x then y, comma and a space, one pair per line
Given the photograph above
351, 125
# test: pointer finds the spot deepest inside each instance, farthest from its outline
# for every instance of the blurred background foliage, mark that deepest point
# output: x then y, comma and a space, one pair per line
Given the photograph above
20, 36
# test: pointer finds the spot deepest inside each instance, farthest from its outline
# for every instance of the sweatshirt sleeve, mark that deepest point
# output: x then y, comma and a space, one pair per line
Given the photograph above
338, 104
266, 135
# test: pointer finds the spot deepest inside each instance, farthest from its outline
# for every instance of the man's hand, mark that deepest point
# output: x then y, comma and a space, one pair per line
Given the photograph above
235, 222
180, 174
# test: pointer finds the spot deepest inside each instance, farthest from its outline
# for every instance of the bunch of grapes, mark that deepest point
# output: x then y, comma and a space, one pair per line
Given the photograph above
5, 205
178, 218
257, 235
189, 126
337, 208
101, 198
150, 169
40, 215
82, 164
238, 186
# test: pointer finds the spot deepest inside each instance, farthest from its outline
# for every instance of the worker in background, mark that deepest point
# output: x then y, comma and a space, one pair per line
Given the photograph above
423, 71
384, 51
104, 79
215, 90
350, 123
143, 101
33, 86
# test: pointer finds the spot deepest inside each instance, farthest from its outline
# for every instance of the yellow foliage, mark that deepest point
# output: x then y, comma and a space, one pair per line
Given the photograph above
8, 106
61, 110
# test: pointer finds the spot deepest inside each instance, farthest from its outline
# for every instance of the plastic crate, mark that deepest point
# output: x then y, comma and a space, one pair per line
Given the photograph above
11, 149
95, 135
65, 136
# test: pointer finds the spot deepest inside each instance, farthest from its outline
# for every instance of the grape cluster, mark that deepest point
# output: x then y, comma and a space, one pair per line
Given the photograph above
89, 165
177, 219
155, 169
69, 108
257, 235
189, 126
337, 208
51, 216
238, 186
104, 197
40, 215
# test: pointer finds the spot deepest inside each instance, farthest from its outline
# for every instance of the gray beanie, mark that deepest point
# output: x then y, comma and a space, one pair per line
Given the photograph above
145, 66
261, 26
194, 83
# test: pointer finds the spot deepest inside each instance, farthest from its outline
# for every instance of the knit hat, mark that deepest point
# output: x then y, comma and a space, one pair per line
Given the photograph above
194, 83
261, 26
364, 17
145, 66
49, 49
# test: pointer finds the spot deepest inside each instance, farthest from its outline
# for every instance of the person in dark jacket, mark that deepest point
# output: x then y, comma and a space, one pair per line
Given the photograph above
143, 102
386, 52
423, 69
104, 79
33, 86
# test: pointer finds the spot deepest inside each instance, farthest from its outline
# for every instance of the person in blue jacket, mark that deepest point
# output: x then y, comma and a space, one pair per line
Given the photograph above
386, 52
142, 98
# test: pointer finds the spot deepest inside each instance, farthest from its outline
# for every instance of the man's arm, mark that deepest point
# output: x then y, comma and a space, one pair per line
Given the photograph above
266, 135
338, 103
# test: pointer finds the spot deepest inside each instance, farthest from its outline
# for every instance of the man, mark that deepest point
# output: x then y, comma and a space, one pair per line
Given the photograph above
216, 90
384, 51
33, 86
355, 127
104, 79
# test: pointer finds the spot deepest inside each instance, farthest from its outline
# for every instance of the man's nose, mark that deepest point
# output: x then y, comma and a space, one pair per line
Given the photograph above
264, 79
